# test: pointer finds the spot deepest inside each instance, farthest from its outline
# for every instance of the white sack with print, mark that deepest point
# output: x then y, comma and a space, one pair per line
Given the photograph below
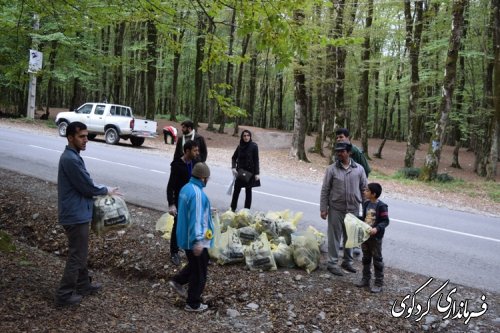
357, 231
110, 213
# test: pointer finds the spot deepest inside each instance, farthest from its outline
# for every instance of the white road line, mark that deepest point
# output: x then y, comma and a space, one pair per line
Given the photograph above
446, 230
116, 163
158, 171
287, 198
57, 151
98, 159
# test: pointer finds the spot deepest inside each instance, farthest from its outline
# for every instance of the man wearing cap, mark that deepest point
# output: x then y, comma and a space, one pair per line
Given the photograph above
341, 193
195, 235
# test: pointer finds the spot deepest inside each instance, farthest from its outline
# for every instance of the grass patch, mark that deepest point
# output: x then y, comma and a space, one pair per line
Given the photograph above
6, 244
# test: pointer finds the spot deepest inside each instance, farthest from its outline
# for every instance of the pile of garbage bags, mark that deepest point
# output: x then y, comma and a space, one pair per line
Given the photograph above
263, 241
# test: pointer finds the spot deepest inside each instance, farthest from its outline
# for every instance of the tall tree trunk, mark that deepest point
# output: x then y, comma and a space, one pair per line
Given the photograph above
239, 81
297, 149
365, 81
198, 73
491, 169
459, 107
50, 92
177, 38
413, 35
264, 92
229, 69
430, 169
279, 111
376, 121
152, 38
327, 90
252, 89
118, 51
341, 115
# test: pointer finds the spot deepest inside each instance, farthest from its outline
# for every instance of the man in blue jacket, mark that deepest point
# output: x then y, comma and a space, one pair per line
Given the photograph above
75, 191
195, 231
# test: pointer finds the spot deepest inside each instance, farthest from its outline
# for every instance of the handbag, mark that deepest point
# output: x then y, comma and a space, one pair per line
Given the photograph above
244, 176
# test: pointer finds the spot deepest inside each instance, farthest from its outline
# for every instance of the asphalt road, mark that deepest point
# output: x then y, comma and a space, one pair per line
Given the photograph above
428, 240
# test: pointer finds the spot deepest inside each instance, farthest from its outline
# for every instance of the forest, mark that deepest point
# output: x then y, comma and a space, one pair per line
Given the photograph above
416, 71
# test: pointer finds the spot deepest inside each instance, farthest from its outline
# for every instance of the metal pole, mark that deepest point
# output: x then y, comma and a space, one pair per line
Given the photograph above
32, 87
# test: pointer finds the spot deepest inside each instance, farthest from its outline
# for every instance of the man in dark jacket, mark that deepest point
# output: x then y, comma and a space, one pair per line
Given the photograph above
180, 173
189, 133
342, 135
75, 190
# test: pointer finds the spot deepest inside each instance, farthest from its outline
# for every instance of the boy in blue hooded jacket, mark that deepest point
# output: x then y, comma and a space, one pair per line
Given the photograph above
194, 232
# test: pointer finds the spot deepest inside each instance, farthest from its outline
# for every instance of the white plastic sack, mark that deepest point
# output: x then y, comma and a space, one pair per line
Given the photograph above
258, 255
230, 250
110, 213
306, 252
357, 231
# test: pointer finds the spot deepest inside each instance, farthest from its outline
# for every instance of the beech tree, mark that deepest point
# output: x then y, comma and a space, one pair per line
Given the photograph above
430, 169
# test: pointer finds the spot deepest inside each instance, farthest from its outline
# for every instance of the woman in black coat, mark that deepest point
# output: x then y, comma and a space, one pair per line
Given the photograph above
245, 157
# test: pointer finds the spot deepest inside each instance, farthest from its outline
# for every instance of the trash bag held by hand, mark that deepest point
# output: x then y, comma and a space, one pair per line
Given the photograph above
357, 231
258, 255
165, 224
110, 213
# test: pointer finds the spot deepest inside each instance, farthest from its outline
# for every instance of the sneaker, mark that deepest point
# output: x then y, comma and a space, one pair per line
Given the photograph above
348, 267
176, 259
178, 288
335, 270
356, 251
376, 289
74, 299
201, 308
90, 290
362, 283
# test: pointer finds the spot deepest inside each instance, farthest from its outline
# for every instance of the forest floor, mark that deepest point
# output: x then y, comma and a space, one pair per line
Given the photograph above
134, 266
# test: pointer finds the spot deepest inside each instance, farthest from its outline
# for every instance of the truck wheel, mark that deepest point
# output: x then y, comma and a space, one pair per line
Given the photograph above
111, 136
91, 136
136, 141
62, 128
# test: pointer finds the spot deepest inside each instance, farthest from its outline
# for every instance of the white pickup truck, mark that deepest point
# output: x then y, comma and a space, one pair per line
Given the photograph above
113, 120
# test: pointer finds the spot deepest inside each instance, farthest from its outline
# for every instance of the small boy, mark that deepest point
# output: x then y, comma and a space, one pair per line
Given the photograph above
376, 214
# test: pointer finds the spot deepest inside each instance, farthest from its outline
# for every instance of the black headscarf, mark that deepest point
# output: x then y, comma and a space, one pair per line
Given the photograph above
243, 144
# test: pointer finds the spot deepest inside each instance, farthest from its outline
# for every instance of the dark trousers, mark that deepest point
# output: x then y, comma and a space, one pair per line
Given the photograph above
372, 250
174, 248
236, 193
76, 274
195, 274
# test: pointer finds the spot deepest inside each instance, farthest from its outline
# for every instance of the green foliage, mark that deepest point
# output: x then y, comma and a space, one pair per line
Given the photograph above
6, 244
408, 173
444, 178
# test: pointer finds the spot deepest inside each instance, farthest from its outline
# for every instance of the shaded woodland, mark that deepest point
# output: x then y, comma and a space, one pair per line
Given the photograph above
419, 71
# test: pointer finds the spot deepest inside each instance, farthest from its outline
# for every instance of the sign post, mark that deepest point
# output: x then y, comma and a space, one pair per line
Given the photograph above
35, 64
